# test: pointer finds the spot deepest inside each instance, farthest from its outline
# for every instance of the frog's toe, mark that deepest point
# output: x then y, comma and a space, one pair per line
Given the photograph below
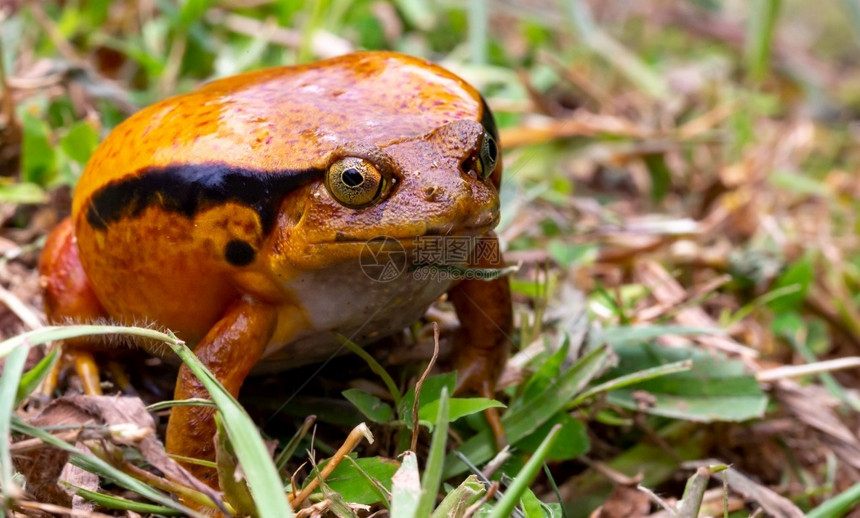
481, 380
85, 367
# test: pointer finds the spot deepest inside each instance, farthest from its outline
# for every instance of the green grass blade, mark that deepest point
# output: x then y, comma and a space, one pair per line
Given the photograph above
478, 18
164, 405
375, 367
115, 502
260, 472
8, 388
51, 333
630, 379
287, 453
435, 459
837, 506
525, 477
32, 378
603, 45
760, 30
524, 417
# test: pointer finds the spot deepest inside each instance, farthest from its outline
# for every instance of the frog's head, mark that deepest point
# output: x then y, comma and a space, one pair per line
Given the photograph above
442, 183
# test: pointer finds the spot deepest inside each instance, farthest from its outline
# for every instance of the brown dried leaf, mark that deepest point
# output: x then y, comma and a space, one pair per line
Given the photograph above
814, 406
79, 477
624, 502
110, 411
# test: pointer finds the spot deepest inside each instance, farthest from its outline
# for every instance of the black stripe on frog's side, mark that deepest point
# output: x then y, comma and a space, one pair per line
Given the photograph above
488, 121
188, 189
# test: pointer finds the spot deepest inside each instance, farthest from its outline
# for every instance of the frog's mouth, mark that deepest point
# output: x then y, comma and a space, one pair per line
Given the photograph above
448, 230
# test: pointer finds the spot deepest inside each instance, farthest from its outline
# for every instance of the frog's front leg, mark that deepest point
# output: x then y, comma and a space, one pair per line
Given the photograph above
230, 349
486, 322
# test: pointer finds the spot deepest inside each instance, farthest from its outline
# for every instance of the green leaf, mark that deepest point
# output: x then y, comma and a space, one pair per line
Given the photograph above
406, 488
371, 406
714, 389
575, 436
532, 507
350, 479
567, 254
458, 407
38, 160
80, 141
22, 192
464, 495
192, 11
799, 275
431, 389
661, 177
545, 374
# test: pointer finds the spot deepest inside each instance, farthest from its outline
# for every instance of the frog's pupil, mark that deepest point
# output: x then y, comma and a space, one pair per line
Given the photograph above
492, 150
352, 177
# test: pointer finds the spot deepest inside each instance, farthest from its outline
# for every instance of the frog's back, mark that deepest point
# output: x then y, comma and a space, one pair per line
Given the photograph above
280, 120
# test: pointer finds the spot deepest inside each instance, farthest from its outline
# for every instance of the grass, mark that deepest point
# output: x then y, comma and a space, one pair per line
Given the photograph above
680, 196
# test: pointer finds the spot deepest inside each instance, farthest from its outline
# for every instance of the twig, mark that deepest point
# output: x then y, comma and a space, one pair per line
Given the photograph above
659, 501
20, 309
355, 436
491, 492
184, 492
28, 445
794, 371
60, 510
418, 385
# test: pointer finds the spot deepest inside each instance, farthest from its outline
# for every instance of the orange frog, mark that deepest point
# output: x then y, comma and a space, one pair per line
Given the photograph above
236, 216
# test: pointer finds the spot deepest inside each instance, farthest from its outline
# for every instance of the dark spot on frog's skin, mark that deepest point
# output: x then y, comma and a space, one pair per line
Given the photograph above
239, 253
188, 189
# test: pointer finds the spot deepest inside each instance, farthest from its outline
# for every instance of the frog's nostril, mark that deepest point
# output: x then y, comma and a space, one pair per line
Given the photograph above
431, 192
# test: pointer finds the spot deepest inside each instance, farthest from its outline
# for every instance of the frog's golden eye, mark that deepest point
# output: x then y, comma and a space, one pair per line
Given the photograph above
489, 156
354, 182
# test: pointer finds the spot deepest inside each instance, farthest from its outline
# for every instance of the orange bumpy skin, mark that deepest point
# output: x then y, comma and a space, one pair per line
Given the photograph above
236, 216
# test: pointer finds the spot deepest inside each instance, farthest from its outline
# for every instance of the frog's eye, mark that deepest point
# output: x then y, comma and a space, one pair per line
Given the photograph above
489, 156
354, 182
